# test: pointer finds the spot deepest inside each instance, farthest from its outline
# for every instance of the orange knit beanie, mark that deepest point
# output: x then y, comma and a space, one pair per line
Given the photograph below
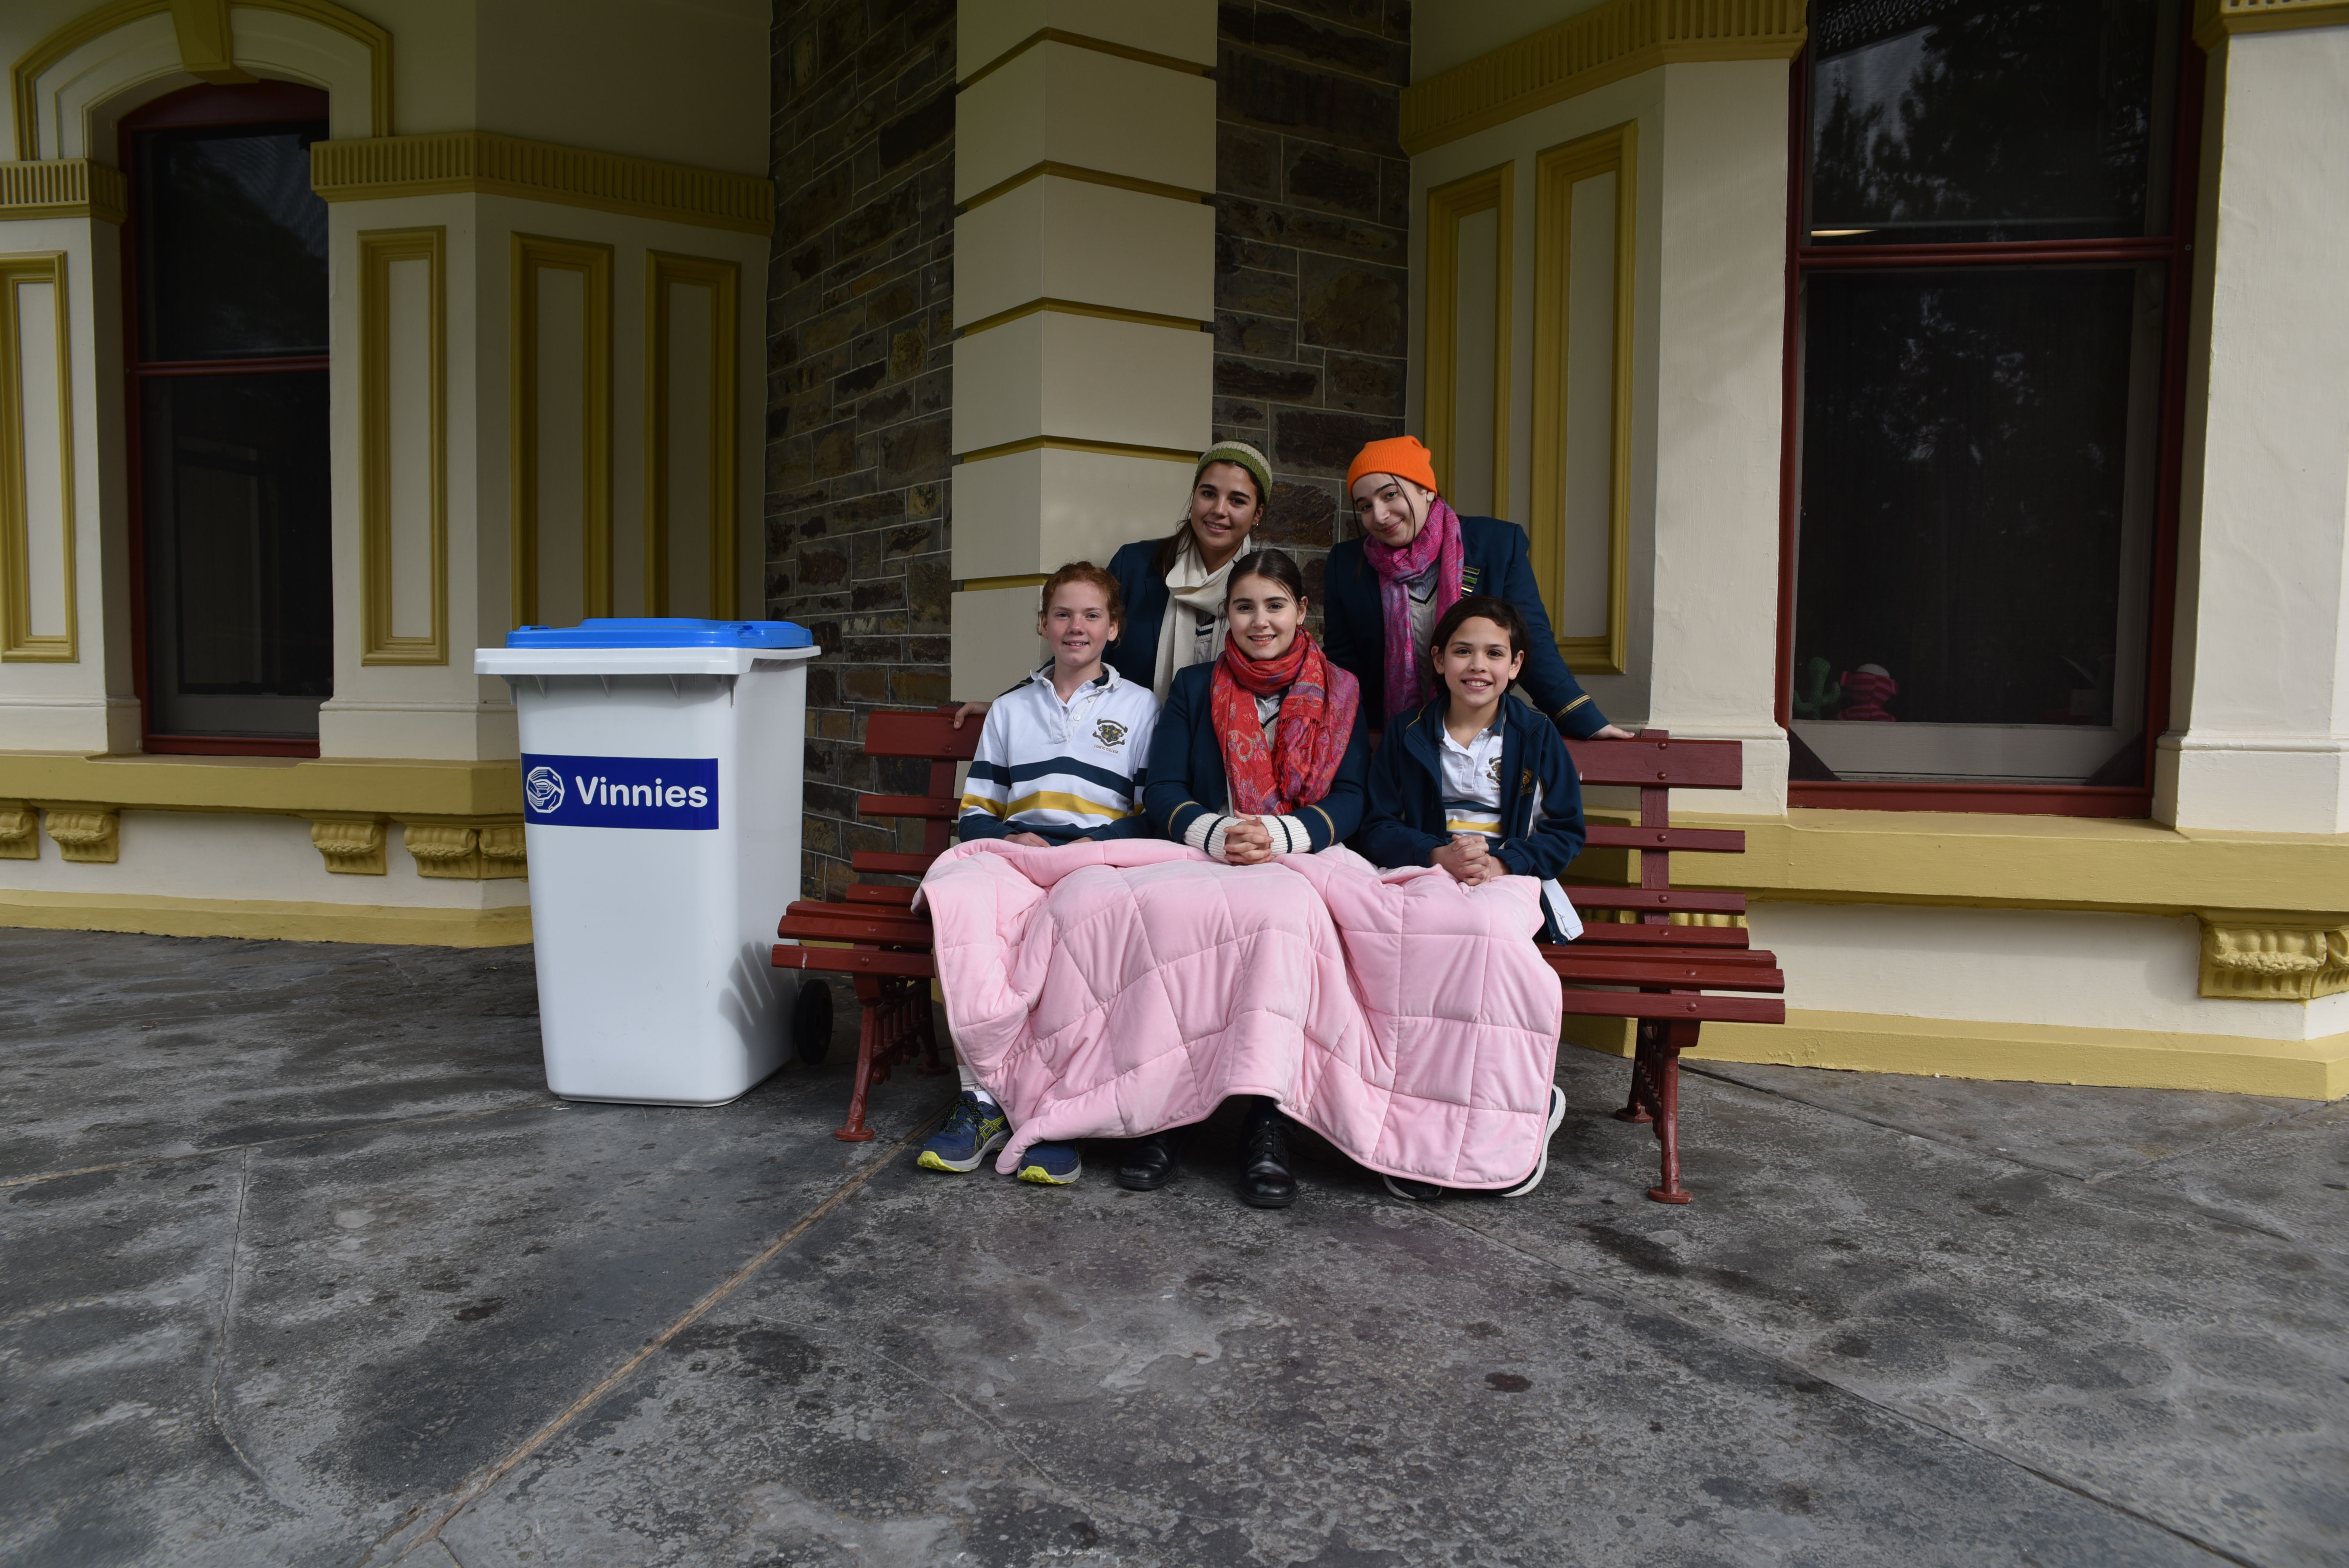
1401, 456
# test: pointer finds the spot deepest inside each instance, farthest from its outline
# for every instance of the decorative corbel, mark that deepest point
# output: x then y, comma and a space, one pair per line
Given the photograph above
444, 848
352, 847
2274, 958
83, 834
20, 838
502, 854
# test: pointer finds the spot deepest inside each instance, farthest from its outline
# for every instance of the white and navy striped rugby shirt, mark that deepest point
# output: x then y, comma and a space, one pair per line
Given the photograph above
1061, 771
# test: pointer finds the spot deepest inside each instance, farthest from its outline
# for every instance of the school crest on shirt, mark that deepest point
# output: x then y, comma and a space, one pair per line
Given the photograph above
1493, 770
1109, 733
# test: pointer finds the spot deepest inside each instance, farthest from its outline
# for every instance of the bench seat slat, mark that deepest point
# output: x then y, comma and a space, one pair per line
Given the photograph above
1671, 1009
889, 863
894, 897
1660, 900
1668, 764
856, 961
1707, 841
887, 933
936, 809
1681, 976
1623, 933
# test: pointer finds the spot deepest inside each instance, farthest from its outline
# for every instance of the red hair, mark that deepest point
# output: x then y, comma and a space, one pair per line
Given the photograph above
1083, 572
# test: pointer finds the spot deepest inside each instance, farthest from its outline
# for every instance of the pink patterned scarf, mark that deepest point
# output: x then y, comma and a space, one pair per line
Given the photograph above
1437, 544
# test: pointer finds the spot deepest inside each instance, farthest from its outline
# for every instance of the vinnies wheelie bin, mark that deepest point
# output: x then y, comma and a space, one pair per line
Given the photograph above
661, 773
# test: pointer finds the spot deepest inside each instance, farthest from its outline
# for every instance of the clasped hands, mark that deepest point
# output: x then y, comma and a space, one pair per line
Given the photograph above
1469, 858
1248, 842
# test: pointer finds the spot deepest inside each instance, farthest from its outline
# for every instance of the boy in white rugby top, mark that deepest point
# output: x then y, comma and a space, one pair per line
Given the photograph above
1059, 760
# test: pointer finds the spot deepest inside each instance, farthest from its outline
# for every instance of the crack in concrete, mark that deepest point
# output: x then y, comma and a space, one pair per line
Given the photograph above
219, 1342
476, 1486
1618, 1303
356, 1128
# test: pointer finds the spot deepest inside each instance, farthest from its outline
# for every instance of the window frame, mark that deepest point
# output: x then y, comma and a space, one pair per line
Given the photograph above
2173, 250
257, 103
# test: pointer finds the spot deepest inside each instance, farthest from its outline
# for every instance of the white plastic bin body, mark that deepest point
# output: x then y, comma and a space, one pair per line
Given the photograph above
653, 942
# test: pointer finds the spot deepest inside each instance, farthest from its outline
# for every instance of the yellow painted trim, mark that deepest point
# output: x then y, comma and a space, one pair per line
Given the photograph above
1556, 173
206, 49
1492, 191
205, 43
2217, 20
1079, 41
265, 918
533, 254
91, 835
379, 249
723, 279
63, 188
1068, 444
1992, 862
1021, 580
1089, 176
2020, 1053
18, 642
1074, 307
2275, 958
283, 785
1587, 51
482, 162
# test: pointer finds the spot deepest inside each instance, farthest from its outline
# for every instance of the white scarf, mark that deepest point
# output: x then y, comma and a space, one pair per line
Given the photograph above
1191, 591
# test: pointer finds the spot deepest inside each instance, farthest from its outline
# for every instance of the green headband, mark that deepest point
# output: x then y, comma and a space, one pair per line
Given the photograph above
1246, 457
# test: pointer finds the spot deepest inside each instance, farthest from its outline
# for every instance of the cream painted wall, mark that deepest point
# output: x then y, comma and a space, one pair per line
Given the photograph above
447, 711
2264, 694
1447, 33
1708, 312
1179, 29
2020, 966
221, 855
89, 704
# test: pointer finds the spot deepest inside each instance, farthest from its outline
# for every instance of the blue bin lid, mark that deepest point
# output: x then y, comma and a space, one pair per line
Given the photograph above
662, 631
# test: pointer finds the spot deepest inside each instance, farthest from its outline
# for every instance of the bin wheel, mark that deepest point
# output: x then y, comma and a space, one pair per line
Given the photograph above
811, 1023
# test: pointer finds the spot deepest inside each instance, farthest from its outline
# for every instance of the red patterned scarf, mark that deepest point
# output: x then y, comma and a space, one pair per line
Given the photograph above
1409, 682
1317, 722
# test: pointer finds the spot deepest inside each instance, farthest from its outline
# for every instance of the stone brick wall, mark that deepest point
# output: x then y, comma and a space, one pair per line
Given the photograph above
859, 384
1312, 207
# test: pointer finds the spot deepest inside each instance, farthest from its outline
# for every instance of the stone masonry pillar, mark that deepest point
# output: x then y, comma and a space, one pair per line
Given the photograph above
2260, 689
1084, 276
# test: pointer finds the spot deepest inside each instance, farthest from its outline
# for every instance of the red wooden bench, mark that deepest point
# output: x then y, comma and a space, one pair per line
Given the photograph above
887, 954
1659, 974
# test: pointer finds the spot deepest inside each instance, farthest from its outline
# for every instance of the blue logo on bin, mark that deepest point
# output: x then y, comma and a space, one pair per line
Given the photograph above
678, 793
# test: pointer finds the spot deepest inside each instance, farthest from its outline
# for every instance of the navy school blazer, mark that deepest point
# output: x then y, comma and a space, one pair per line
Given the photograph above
1495, 560
1405, 817
1186, 769
1144, 592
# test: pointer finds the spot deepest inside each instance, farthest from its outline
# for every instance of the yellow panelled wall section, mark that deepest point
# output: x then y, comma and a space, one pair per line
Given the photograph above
1571, 527
36, 521
382, 641
536, 257
1487, 427
665, 278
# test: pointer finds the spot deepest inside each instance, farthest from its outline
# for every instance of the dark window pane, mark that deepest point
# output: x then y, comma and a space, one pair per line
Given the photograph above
1977, 455
233, 243
1935, 121
239, 571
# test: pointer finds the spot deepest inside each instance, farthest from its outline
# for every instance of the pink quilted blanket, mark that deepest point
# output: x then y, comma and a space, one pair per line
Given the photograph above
1112, 990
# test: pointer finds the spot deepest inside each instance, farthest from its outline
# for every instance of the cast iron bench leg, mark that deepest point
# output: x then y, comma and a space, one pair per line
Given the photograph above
1665, 1075
870, 1002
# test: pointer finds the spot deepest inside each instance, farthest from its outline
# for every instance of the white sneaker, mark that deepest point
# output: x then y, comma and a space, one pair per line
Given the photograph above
1541, 1166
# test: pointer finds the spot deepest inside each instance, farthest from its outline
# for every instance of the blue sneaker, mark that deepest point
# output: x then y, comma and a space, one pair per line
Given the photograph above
975, 1129
1052, 1164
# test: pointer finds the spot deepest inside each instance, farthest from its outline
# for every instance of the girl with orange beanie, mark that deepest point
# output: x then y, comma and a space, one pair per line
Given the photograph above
1416, 559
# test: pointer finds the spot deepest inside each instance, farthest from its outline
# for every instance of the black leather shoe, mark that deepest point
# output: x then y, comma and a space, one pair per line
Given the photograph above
1265, 1180
1147, 1164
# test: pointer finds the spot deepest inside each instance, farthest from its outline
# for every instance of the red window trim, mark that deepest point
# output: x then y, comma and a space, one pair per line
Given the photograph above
253, 104
2177, 250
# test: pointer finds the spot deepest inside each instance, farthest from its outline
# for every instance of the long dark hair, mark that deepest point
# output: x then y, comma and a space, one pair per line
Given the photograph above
1277, 564
1170, 548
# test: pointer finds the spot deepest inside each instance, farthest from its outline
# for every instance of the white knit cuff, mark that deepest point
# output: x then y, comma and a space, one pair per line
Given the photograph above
1290, 836
1205, 833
